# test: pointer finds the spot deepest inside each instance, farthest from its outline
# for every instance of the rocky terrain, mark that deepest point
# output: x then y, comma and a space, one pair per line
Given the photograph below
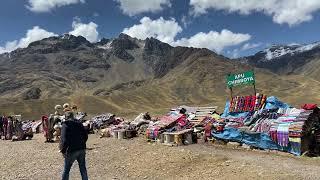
126, 75
126, 159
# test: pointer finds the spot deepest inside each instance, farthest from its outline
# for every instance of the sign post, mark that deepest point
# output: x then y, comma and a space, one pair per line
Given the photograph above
240, 79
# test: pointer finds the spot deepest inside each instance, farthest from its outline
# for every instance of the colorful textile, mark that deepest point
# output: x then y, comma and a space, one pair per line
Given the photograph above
247, 103
309, 106
283, 134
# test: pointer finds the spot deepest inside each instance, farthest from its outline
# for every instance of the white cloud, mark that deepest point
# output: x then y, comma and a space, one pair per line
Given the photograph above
167, 30
48, 5
34, 34
134, 7
291, 12
164, 30
89, 31
214, 40
248, 46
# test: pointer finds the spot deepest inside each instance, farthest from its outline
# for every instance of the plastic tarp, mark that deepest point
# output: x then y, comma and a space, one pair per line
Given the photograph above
273, 102
258, 140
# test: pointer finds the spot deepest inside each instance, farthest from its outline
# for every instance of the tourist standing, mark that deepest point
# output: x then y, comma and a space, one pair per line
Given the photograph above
9, 128
73, 145
1, 126
4, 126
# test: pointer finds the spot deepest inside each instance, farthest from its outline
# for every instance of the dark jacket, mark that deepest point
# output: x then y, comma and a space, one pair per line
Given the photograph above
73, 137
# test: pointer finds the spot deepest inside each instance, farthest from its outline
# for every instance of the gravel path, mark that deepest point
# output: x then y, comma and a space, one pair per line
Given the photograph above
109, 158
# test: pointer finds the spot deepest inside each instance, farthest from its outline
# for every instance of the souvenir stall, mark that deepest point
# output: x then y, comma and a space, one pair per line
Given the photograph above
180, 126
274, 125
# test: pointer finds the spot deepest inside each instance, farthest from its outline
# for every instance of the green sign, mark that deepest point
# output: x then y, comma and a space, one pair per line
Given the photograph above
245, 78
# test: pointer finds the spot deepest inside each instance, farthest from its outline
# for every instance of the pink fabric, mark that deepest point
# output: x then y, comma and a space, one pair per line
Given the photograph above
169, 119
182, 120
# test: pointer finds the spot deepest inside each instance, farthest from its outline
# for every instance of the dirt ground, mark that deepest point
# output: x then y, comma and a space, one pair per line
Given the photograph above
110, 158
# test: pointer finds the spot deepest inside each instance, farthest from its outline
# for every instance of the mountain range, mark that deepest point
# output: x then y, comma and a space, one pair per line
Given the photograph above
126, 75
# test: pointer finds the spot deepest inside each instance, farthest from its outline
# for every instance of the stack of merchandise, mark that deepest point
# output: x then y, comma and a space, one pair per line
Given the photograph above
287, 130
276, 126
172, 122
37, 126
102, 120
247, 103
26, 125
167, 121
80, 116
261, 121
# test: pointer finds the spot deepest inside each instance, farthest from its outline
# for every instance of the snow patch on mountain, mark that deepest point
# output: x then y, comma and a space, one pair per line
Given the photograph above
106, 46
278, 51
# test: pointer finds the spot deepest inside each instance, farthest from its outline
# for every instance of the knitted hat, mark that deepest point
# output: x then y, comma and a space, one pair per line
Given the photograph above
66, 105
57, 107
74, 107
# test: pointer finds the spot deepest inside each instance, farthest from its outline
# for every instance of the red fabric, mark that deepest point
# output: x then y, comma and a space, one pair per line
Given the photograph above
45, 125
253, 102
207, 130
182, 120
309, 106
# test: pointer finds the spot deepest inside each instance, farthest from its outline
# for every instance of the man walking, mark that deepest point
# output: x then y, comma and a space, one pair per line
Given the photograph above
73, 145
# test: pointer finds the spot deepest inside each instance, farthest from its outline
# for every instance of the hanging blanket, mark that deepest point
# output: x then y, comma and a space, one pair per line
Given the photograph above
283, 134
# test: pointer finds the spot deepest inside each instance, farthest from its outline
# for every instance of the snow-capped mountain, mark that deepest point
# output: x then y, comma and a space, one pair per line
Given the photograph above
278, 51
285, 59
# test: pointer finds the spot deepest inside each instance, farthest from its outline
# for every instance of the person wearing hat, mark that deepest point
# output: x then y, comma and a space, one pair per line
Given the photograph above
73, 145
58, 111
66, 107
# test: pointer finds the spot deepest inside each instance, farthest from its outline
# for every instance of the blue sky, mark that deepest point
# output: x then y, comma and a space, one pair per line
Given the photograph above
230, 27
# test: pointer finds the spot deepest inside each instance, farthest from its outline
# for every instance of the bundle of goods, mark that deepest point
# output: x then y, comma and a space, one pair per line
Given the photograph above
37, 126
247, 103
120, 131
22, 130
175, 120
103, 120
128, 129
277, 126
27, 125
80, 116
141, 122
167, 121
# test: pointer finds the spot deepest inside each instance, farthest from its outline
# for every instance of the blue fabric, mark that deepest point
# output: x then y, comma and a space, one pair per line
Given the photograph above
273, 102
226, 109
80, 156
258, 140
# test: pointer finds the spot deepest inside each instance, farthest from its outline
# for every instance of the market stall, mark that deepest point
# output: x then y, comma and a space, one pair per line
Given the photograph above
276, 125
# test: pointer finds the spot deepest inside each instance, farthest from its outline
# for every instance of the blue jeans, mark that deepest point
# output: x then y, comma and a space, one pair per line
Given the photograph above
80, 156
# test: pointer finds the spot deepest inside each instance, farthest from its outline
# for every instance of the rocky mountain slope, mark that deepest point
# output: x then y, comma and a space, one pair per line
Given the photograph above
126, 75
